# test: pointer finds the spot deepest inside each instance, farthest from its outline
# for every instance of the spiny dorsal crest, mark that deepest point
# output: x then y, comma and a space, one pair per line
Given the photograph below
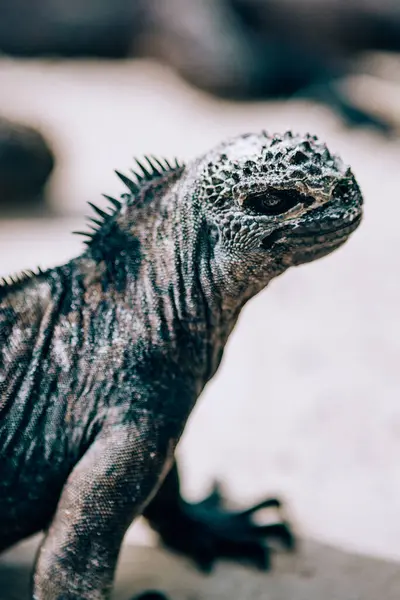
154, 170
18, 278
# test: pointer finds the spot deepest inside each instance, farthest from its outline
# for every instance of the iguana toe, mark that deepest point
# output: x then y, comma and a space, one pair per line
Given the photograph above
207, 531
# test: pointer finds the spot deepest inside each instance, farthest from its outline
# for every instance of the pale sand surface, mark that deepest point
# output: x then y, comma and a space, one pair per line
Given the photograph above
317, 572
307, 401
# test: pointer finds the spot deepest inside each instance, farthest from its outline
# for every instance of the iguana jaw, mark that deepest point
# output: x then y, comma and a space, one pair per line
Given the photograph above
299, 237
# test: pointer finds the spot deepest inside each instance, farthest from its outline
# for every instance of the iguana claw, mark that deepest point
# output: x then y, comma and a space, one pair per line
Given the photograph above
207, 531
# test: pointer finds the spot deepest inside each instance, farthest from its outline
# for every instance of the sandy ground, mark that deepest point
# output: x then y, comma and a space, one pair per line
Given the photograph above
306, 403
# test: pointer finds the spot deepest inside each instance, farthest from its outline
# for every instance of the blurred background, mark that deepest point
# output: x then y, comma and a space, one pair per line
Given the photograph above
306, 404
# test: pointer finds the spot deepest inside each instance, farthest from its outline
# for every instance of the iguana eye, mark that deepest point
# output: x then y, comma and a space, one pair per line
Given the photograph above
273, 202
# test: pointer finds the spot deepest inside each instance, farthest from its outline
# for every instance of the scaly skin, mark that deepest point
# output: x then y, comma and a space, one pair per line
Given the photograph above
103, 358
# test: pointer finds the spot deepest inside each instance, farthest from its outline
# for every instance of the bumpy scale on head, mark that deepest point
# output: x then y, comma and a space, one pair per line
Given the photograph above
283, 193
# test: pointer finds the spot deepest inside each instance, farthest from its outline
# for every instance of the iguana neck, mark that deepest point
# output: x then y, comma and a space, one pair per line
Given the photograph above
187, 274
167, 272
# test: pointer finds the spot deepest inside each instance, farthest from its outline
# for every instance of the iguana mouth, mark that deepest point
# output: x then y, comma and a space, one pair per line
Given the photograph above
302, 236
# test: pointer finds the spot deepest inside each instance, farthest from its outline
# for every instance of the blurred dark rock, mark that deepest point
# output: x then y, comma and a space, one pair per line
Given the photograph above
336, 27
68, 28
26, 162
238, 49
258, 49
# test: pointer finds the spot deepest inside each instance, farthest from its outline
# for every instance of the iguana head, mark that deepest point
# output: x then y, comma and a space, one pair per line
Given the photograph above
278, 201
237, 217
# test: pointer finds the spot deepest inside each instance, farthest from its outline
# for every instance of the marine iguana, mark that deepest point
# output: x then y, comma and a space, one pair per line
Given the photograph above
102, 359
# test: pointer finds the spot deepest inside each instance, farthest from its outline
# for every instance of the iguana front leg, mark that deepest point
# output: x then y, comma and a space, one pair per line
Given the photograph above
105, 491
206, 531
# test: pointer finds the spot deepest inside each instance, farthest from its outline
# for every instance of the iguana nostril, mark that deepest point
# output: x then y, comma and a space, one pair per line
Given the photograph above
271, 239
347, 191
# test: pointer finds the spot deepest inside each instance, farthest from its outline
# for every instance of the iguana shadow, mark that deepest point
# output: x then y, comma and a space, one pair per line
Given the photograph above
317, 571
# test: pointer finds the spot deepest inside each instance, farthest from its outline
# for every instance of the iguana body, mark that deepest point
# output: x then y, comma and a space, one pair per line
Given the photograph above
102, 359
